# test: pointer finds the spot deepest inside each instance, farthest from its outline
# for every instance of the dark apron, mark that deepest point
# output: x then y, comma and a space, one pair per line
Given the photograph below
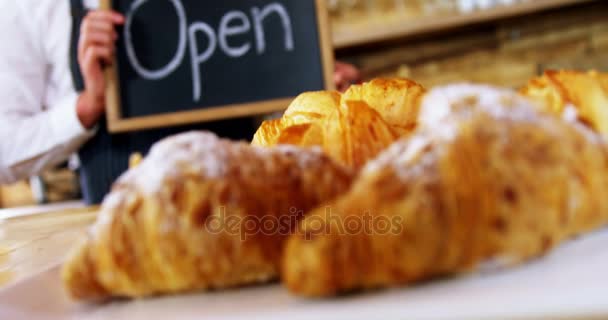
105, 156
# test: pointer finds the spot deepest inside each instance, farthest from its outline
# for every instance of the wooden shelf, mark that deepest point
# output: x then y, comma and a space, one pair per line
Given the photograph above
357, 34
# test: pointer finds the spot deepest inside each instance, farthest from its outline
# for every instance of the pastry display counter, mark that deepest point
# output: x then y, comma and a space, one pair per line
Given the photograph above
566, 285
33, 239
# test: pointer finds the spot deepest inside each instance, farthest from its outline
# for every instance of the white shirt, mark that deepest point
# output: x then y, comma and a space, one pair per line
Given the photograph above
39, 126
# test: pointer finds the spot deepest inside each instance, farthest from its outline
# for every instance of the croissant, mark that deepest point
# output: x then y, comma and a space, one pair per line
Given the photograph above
586, 92
397, 100
352, 128
199, 213
486, 180
302, 122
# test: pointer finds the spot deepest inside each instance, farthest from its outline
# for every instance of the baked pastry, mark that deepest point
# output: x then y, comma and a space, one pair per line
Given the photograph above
352, 128
348, 131
485, 180
199, 213
396, 99
302, 123
580, 96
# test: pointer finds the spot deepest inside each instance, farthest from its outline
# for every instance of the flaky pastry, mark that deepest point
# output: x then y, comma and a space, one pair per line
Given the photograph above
352, 128
584, 93
194, 215
486, 179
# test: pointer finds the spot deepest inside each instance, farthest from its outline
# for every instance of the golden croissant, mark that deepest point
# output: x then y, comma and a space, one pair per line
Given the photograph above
486, 179
191, 216
352, 128
586, 92
397, 100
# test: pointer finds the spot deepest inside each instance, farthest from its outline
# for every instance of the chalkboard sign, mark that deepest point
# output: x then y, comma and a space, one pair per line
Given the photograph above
186, 61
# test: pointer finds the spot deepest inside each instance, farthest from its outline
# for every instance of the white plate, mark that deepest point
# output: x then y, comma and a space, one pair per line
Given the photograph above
570, 282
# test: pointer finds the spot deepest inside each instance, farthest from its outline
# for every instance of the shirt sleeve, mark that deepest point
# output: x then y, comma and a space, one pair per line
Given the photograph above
32, 137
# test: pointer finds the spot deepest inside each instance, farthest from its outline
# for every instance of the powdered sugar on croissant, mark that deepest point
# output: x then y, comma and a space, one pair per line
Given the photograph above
191, 216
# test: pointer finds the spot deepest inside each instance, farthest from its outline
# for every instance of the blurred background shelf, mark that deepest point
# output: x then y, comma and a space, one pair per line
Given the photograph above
357, 22
506, 51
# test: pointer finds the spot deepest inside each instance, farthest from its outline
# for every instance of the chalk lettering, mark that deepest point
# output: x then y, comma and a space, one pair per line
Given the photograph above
258, 22
199, 58
226, 30
181, 47
233, 23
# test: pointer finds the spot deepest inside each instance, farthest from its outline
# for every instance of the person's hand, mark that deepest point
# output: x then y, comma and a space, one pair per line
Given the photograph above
345, 74
96, 48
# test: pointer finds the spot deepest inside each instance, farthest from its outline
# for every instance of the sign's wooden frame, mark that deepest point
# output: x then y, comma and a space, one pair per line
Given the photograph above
116, 123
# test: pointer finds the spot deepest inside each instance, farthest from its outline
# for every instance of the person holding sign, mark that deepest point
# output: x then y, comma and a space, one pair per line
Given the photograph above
45, 115
43, 120
96, 49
